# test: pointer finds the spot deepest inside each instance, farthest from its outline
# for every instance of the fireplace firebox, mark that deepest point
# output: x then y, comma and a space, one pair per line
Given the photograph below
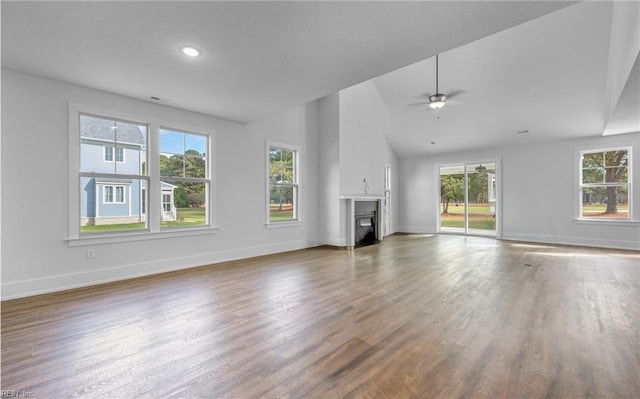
365, 223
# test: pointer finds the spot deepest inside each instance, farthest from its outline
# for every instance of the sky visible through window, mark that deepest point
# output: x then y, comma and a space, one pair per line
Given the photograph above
174, 142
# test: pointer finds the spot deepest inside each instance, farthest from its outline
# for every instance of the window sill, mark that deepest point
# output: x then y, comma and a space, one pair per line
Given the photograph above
277, 225
606, 222
143, 235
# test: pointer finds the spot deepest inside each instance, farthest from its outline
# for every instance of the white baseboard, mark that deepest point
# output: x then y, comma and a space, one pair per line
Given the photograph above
43, 285
548, 239
579, 241
333, 241
415, 230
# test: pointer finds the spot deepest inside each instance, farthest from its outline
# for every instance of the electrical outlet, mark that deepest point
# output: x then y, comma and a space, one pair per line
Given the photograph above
91, 253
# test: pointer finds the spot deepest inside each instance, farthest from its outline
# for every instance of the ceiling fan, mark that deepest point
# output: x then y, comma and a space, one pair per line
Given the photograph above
438, 100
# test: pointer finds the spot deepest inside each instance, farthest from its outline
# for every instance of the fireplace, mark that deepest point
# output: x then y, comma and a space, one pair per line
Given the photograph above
365, 223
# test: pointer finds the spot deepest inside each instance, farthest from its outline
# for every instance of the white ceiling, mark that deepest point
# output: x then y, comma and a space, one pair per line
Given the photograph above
626, 116
547, 76
264, 57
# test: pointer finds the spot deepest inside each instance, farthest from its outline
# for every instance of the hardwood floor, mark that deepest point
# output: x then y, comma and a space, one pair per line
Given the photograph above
413, 317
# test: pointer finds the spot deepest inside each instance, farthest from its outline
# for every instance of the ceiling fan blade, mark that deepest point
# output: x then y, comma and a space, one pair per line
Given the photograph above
455, 93
420, 104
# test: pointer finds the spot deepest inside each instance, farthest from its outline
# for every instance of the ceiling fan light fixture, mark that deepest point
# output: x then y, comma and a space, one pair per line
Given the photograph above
437, 101
190, 51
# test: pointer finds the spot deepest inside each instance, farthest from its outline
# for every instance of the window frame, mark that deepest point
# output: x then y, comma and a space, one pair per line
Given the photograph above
107, 153
152, 201
296, 185
113, 153
114, 194
107, 194
628, 184
74, 128
207, 181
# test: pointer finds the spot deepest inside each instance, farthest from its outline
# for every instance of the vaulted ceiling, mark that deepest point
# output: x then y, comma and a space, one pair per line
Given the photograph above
539, 81
524, 65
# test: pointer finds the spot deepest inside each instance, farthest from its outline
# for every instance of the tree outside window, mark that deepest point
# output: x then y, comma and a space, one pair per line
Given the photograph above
451, 191
283, 183
185, 184
604, 185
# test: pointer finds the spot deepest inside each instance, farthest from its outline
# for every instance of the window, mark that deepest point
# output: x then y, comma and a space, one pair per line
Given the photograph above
184, 179
387, 178
108, 194
104, 205
605, 184
121, 189
108, 154
110, 198
109, 151
468, 198
282, 183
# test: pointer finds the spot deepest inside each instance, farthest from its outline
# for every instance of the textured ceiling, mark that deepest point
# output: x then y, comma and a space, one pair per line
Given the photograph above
258, 57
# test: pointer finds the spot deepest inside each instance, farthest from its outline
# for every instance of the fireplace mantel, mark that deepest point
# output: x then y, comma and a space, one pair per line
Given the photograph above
360, 197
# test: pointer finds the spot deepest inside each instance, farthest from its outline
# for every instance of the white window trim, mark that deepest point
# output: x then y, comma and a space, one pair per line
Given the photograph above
297, 184
153, 230
209, 171
114, 188
498, 197
578, 218
111, 149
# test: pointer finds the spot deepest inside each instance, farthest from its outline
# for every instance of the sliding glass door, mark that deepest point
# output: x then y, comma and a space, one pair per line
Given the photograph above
468, 198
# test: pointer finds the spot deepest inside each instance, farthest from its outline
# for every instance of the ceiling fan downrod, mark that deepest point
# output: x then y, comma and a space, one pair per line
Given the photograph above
437, 91
437, 100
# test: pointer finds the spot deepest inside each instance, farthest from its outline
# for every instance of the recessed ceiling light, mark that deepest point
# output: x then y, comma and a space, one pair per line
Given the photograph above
190, 51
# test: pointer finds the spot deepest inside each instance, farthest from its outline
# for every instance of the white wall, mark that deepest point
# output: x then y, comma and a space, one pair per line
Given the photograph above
352, 125
364, 150
35, 150
363, 128
539, 193
331, 229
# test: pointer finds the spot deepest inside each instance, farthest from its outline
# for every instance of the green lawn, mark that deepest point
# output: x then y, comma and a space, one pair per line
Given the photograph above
186, 217
280, 212
480, 217
473, 208
484, 224
600, 211
603, 207
275, 216
112, 227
